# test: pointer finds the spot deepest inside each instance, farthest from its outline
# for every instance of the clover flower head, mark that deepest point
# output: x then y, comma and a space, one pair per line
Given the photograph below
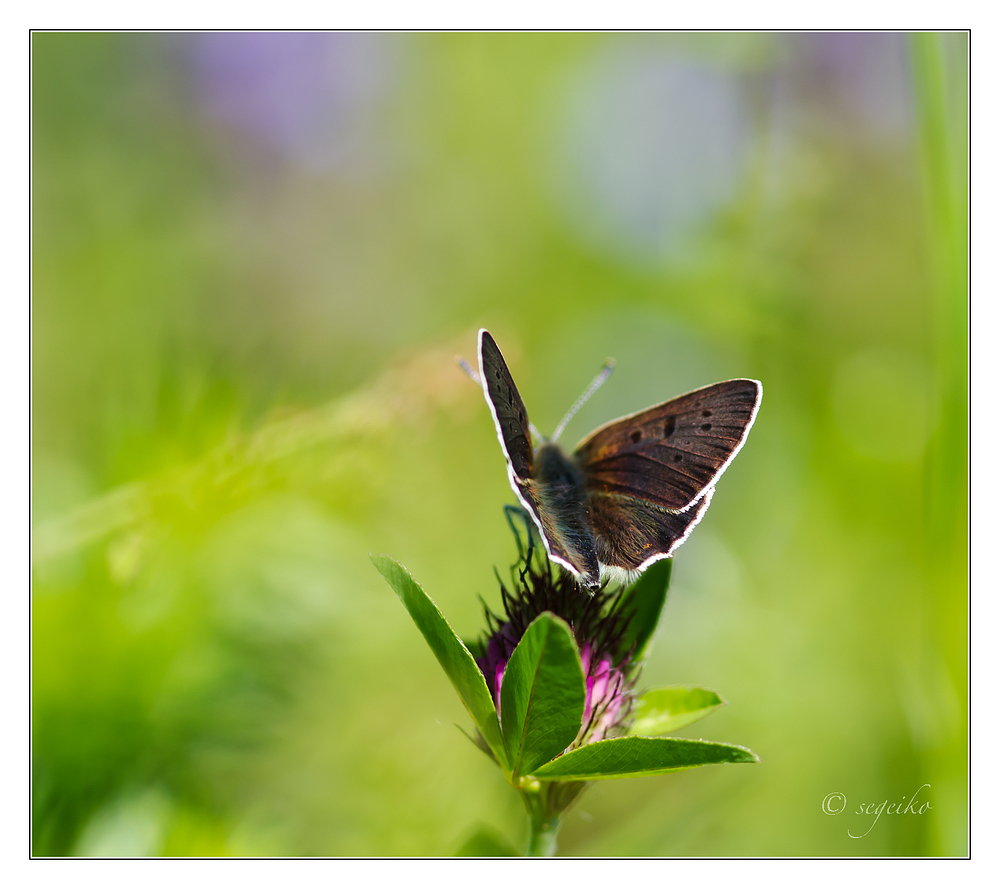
550, 686
598, 625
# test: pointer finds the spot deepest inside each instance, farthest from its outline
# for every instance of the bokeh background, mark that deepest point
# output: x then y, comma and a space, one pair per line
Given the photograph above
255, 257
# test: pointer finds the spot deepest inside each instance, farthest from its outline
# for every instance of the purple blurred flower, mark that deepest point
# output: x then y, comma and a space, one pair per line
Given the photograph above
308, 96
652, 146
865, 74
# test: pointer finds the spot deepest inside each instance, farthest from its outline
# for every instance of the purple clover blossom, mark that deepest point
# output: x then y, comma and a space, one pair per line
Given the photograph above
607, 690
598, 627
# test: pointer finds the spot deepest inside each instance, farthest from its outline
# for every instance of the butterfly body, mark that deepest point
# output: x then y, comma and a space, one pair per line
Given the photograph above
631, 491
558, 487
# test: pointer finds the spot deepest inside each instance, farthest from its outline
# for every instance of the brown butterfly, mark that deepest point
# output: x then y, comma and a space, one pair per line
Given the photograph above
632, 490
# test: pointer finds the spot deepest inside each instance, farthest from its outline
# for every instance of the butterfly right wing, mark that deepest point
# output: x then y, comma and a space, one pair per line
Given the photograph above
671, 454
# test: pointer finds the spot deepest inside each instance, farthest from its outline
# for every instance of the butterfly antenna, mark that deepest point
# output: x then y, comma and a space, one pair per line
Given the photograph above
609, 366
469, 369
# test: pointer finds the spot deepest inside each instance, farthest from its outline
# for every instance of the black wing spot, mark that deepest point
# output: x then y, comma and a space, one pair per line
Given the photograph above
677, 458
706, 413
635, 436
706, 426
668, 430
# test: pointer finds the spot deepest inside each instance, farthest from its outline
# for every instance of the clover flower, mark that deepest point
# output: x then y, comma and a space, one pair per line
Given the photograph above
551, 686
598, 626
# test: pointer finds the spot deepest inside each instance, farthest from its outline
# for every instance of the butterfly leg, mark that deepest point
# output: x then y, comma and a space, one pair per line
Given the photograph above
510, 512
525, 552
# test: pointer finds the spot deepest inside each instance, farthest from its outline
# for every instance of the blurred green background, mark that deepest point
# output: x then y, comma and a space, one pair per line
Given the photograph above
255, 258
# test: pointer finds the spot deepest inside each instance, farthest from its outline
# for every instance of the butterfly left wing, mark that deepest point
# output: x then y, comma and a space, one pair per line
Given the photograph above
669, 455
509, 414
514, 433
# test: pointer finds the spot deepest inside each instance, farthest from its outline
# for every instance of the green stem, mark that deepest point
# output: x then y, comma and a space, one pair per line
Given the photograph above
542, 835
543, 827
546, 802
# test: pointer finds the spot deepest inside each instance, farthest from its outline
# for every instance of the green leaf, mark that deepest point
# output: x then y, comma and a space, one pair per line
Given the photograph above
645, 600
478, 742
663, 710
627, 757
454, 657
476, 647
484, 843
543, 694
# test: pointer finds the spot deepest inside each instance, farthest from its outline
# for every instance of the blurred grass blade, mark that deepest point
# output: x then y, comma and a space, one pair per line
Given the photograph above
665, 710
543, 694
454, 657
941, 103
401, 394
645, 599
630, 757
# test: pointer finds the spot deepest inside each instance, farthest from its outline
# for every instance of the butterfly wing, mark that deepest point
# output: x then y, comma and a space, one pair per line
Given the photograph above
514, 433
630, 535
669, 455
509, 414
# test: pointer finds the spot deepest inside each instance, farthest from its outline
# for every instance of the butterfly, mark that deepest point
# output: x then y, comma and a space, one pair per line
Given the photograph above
632, 491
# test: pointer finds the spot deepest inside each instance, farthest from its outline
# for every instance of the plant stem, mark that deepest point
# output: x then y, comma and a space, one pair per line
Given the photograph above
543, 826
542, 837
546, 803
